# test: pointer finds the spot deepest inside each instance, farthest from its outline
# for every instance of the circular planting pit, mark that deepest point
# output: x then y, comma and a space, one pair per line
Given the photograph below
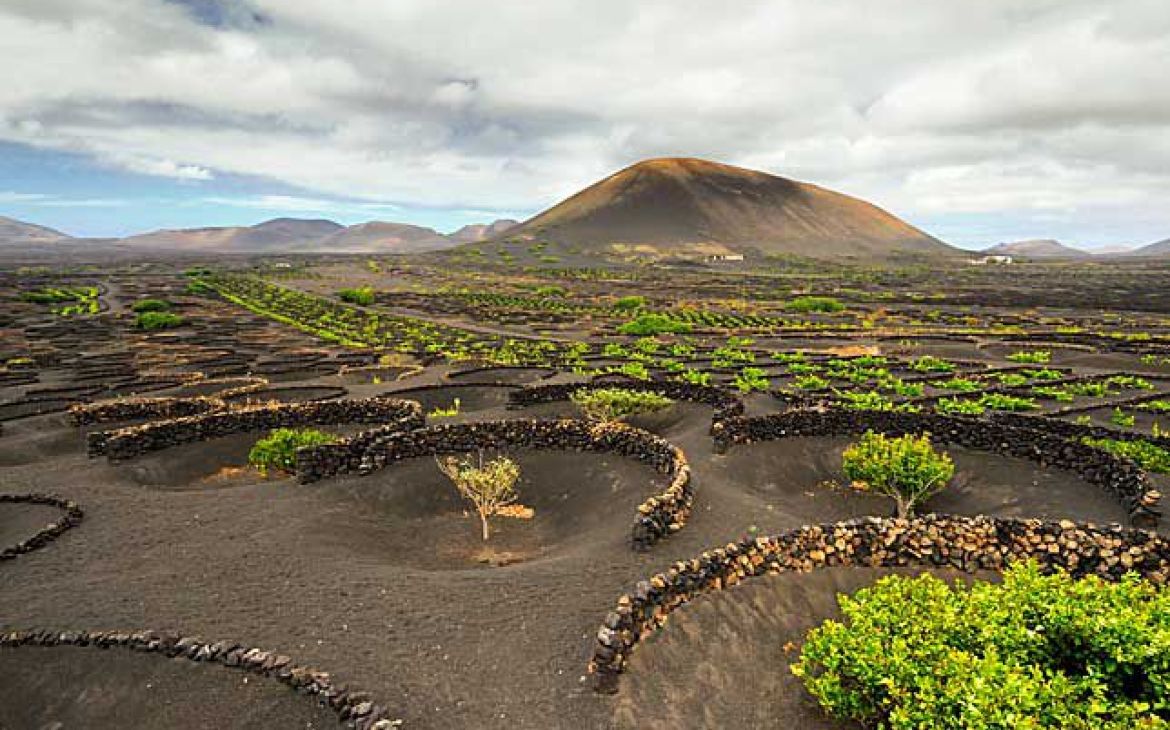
210, 387
19, 521
506, 375
113, 689
679, 415
471, 397
214, 464
291, 394
800, 480
410, 513
723, 660
27, 408
368, 375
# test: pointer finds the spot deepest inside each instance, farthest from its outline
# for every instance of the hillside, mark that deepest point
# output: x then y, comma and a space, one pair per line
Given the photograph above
1161, 248
383, 237
482, 231
1037, 248
16, 232
684, 205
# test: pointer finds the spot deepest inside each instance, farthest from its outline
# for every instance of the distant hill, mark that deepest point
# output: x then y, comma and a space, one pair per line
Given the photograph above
685, 205
384, 237
1038, 248
1161, 248
296, 235
482, 231
14, 231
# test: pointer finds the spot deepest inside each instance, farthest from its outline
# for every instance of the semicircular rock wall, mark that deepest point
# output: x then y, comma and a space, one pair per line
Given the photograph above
658, 516
129, 442
1122, 478
939, 541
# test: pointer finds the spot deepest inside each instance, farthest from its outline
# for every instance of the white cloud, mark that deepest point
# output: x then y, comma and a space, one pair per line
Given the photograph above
996, 108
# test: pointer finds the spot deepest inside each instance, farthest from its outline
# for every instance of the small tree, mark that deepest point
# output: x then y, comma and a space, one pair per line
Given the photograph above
906, 468
606, 405
490, 486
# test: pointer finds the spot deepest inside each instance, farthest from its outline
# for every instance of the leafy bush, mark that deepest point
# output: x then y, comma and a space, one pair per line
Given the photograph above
1130, 382
613, 404
962, 385
448, 412
814, 304
811, 382
1001, 402
629, 304
1043, 374
956, 406
490, 486
1147, 455
1060, 395
750, 379
931, 364
905, 468
157, 320
1038, 357
652, 323
694, 377
278, 450
551, 291
1038, 652
1156, 406
363, 296
1121, 418
150, 305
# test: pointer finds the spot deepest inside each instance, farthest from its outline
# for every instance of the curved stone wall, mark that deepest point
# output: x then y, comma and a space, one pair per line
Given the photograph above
658, 516
938, 541
129, 442
1120, 477
354, 708
72, 517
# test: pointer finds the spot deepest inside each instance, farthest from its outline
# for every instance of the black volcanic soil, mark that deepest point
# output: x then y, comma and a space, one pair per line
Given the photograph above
115, 689
20, 521
375, 579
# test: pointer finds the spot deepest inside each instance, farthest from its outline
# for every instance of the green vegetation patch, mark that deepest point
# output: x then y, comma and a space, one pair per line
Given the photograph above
157, 320
362, 296
808, 304
906, 468
278, 450
1036, 651
1147, 455
613, 404
150, 305
652, 323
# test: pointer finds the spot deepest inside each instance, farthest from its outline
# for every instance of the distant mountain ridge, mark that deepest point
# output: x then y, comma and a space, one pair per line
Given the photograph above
279, 235
1160, 248
14, 231
1036, 248
687, 205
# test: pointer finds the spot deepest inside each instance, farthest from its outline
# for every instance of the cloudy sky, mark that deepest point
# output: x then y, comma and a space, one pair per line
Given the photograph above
978, 121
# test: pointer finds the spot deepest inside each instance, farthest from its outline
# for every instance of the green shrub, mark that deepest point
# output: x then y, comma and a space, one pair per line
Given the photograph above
956, 406
1147, 455
1155, 406
150, 305
905, 468
750, 379
1121, 418
814, 304
629, 304
811, 382
1001, 402
613, 404
1060, 395
1036, 357
363, 296
652, 323
157, 320
694, 377
931, 364
962, 385
1130, 382
1036, 652
278, 450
